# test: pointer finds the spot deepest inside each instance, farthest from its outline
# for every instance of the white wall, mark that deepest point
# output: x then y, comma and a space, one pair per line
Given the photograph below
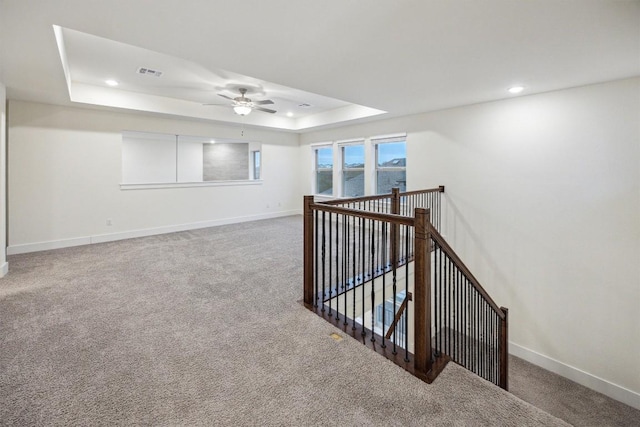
543, 204
65, 175
148, 158
4, 267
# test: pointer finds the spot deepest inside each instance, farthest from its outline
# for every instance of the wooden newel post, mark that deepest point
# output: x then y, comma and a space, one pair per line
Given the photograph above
395, 230
308, 251
504, 349
422, 292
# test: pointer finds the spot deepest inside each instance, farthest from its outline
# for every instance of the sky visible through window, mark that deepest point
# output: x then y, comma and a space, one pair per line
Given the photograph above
354, 155
325, 157
390, 151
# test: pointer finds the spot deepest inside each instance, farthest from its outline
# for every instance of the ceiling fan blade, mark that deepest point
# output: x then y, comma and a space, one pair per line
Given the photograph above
225, 96
265, 102
266, 110
219, 105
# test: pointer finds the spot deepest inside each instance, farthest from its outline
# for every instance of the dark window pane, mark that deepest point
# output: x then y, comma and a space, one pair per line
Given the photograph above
324, 182
353, 183
386, 180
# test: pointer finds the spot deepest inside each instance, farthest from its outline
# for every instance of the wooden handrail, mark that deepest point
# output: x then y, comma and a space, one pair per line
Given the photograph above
463, 268
431, 190
357, 199
389, 196
392, 218
396, 319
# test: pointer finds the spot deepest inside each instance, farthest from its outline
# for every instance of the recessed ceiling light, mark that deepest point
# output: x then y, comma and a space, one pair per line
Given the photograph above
212, 141
516, 89
111, 82
289, 114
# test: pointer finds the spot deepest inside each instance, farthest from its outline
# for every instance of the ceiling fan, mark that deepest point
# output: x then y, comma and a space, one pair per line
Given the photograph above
243, 105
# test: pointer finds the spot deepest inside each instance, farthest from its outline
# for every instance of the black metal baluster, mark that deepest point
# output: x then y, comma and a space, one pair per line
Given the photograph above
438, 199
356, 254
473, 330
353, 289
466, 323
461, 318
345, 250
441, 319
478, 332
445, 277
338, 278
373, 287
483, 337
483, 353
394, 278
456, 319
331, 279
496, 342
324, 264
486, 338
363, 252
448, 284
436, 308
493, 355
459, 315
454, 290
476, 329
384, 281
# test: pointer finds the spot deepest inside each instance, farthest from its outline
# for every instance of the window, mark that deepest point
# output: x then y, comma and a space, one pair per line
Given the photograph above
324, 170
391, 164
353, 170
256, 164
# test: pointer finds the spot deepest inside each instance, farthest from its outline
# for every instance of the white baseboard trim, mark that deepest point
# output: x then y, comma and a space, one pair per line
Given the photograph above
586, 379
110, 237
4, 269
45, 246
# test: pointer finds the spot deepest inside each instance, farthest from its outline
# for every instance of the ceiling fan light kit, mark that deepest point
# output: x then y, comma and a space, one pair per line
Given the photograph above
242, 105
242, 110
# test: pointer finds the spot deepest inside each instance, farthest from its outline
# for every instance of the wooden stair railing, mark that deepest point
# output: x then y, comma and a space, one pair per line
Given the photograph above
342, 243
398, 316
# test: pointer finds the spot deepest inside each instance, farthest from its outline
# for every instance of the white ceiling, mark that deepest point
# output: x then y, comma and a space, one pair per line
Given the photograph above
347, 59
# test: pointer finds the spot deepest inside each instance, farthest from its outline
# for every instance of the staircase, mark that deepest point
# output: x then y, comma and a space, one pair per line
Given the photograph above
378, 268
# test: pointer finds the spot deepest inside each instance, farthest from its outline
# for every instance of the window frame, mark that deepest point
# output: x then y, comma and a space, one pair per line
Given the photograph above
316, 169
344, 168
377, 142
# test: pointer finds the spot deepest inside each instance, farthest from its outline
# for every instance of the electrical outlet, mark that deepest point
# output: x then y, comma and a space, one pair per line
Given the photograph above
109, 222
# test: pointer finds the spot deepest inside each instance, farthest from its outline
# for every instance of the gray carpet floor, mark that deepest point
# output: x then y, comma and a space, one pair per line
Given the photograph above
205, 328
